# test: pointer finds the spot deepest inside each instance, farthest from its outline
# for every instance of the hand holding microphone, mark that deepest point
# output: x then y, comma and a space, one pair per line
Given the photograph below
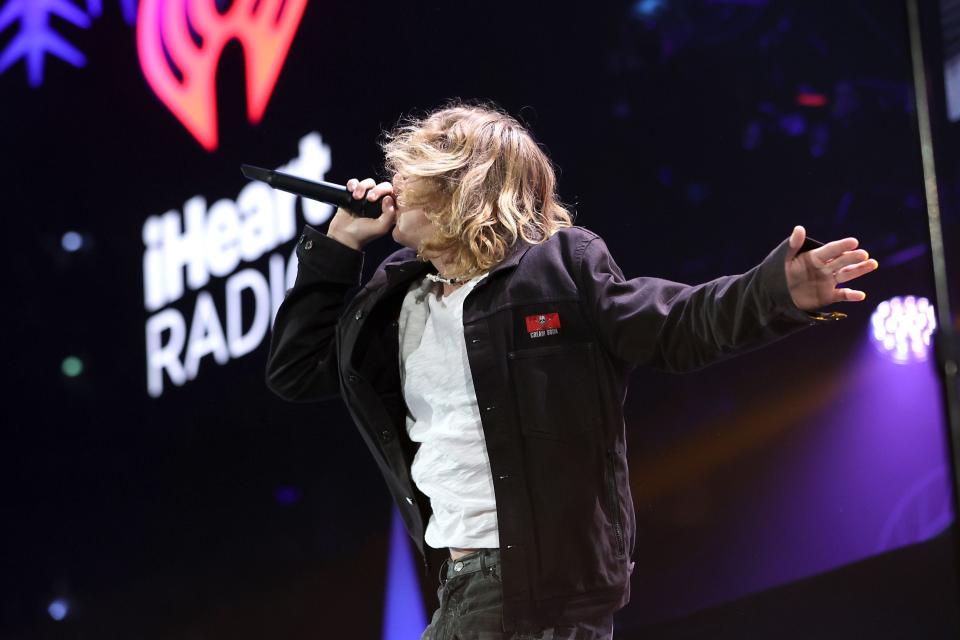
355, 231
366, 210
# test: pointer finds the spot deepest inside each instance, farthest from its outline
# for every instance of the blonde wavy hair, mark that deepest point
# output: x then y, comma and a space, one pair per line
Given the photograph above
480, 177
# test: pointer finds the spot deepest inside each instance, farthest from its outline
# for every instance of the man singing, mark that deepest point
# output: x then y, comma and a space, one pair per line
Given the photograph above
486, 364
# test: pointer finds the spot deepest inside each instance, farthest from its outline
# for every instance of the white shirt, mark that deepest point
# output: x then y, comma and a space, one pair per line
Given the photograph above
451, 466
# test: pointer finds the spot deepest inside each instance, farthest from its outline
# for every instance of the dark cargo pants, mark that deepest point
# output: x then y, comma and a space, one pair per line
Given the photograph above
470, 606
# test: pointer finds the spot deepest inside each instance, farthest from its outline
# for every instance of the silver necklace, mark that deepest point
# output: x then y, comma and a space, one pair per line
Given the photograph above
451, 281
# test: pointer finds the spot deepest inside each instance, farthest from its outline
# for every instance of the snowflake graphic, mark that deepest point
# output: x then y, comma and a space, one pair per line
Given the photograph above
37, 39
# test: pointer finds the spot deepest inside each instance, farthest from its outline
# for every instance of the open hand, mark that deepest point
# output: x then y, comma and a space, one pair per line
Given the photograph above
813, 276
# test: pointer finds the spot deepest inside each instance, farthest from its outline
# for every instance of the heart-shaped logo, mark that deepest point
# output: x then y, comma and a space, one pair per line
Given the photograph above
180, 42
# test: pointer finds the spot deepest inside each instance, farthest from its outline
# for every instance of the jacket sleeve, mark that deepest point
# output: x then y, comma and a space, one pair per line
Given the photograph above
302, 365
679, 327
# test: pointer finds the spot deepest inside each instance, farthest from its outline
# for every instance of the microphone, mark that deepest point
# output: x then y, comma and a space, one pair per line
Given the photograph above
328, 192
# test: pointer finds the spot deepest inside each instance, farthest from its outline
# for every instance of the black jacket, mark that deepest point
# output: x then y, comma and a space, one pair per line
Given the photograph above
550, 390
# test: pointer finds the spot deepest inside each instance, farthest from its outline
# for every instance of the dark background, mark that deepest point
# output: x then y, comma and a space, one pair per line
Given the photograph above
680, 135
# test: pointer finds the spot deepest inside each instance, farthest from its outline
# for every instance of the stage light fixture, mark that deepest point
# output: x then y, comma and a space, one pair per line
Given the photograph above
58, 609
71, 241
902, 328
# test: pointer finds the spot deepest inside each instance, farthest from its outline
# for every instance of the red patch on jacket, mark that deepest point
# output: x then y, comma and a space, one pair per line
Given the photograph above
544, 324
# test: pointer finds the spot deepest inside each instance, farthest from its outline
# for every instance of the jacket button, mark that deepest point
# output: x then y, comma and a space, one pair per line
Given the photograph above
358, 314
385, 435
351, 378
308, 245
303, 237
411, 500
490, 408
474, 340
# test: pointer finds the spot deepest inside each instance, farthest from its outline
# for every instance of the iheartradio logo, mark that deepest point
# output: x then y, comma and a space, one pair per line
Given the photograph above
180, 42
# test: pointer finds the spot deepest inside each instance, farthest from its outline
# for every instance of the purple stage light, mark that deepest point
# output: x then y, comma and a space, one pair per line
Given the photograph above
404, 615
58, 609
793, 124
902, 327
71, 241
287, 495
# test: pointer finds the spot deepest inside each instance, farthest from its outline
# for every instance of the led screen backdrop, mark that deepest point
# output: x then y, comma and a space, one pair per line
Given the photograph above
157, 489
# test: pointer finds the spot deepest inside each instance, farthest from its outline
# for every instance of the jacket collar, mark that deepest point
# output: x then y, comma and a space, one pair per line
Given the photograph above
407, 269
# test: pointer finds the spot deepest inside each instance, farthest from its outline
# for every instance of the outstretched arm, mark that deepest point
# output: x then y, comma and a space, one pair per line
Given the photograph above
679, 327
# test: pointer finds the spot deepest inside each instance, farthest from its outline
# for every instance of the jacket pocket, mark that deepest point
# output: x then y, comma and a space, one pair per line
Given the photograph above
575, 541
556, 390
613, 501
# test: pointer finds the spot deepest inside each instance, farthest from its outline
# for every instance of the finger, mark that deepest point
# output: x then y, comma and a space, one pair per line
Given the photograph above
797, 237
847, 258
387, 204
379, 190
362, 186
855, 271
386, 219
352, 183
831, 250
848, 295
